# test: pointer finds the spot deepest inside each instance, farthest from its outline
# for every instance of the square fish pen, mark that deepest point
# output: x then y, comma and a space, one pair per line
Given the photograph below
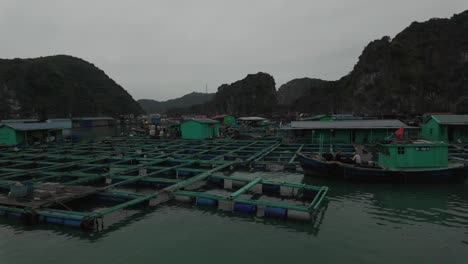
72, 180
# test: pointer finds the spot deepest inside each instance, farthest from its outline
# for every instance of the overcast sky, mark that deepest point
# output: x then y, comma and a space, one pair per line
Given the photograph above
165, 49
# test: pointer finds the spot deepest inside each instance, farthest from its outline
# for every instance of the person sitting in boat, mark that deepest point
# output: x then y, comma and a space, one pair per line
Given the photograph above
357, 158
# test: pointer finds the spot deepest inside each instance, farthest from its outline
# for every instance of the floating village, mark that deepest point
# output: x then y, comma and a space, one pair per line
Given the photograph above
50, 175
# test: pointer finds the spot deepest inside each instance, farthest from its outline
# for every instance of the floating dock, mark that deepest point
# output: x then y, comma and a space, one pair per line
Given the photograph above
129, 171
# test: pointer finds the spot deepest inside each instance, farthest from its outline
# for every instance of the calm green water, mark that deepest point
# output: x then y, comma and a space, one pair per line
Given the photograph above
358, 223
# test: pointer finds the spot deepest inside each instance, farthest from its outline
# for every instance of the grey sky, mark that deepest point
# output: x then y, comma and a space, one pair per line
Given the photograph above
165, 49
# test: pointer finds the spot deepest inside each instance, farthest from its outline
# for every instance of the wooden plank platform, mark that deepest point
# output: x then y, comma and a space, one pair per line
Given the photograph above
48, 195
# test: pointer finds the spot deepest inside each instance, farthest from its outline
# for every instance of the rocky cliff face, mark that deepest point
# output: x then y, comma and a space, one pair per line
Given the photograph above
424, 68
255, 94
59, 86
290, 92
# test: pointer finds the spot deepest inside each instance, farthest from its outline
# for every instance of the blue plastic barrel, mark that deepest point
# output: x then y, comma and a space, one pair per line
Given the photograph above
244, 208
275, 212
14, 215
54, 220
70, 222
206, 201
271, 188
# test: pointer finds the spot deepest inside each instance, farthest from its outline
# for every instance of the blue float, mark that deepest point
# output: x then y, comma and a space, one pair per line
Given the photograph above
271, 188
206, 201
276, 212
70, 222
244, 208
14, 215
53, 220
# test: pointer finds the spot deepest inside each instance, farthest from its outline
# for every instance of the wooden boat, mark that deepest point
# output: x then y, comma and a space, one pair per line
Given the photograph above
390, 169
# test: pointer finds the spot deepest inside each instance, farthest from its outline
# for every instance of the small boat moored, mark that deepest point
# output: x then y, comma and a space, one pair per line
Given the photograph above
408, 162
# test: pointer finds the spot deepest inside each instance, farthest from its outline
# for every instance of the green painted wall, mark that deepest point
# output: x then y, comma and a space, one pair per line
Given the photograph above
326, 118
401, 156
196, 130
431, 130
229, 120
7, 136
358, 136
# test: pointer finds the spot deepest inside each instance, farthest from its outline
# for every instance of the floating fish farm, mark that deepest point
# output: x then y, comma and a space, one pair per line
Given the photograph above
51, 183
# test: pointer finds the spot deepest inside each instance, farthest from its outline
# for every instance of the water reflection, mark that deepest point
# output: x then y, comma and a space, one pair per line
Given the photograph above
399, 205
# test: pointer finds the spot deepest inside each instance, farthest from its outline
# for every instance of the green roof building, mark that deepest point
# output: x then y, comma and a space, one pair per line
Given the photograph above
318, 118
445, 128
346, 131
226, 120
199, 128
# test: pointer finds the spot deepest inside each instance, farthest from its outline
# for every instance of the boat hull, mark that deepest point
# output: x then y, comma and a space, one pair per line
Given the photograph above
332, 169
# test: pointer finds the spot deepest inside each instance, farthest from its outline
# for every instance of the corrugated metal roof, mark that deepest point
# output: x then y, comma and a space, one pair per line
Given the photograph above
316, 117
8, 121
251, 118
204, 120
93, 118
348, 124
218, 116
34, 126
451, 119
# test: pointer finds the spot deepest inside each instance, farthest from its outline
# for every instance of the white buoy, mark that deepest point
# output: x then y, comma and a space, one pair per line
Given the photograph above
299, 215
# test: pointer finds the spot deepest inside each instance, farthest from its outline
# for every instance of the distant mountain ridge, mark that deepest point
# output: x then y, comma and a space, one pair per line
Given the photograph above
424, 68
188, 100
60, 86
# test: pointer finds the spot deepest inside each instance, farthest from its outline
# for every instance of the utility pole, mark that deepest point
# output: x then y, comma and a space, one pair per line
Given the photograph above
206, 88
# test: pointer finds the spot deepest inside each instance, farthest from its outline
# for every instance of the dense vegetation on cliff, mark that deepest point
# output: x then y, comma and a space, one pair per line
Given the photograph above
253, 95
59, 86
423, 69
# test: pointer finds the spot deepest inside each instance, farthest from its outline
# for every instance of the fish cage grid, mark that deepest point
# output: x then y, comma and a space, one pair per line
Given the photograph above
167, 169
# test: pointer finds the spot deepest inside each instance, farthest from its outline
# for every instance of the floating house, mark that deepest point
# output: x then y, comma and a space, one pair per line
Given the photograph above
346, 131
29, 133
413, 155
66, 123
199, 128
226, 120
318, 118
93, 121
253, 121
445, 128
